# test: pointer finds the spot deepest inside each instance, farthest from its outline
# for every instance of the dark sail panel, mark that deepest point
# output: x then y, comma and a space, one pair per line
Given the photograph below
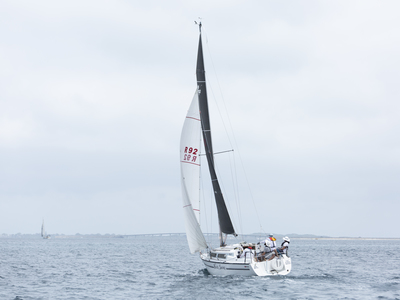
225, 222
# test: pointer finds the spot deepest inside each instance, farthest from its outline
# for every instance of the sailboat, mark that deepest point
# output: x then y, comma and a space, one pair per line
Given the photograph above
247, 259
43, 232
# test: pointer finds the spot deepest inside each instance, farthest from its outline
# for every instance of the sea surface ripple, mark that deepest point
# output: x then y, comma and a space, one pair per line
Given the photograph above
161, 267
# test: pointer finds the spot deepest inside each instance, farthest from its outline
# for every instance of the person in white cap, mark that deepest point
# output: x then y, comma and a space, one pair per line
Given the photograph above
282, 249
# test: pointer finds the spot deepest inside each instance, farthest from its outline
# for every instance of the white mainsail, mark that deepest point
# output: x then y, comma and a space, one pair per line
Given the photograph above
190, 172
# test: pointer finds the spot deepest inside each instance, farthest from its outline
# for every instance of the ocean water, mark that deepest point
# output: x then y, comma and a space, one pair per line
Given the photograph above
161, 267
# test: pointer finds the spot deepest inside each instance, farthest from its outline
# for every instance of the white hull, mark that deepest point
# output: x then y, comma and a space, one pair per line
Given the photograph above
276, 266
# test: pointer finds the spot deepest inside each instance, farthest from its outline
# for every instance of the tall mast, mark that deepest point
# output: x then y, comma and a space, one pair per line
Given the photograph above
225, 223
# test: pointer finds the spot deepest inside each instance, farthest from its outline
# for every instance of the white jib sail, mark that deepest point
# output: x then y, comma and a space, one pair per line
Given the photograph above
190, 173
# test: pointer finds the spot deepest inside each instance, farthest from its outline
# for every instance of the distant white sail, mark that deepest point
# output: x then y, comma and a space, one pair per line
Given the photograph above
190, 172
43, 231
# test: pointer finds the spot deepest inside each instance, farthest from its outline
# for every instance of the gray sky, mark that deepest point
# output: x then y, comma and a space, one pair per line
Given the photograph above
93, 95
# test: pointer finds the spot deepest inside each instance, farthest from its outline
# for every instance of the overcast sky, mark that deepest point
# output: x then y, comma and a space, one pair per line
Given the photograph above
93, 95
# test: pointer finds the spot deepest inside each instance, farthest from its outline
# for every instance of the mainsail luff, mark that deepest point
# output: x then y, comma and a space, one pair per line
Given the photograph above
225, 223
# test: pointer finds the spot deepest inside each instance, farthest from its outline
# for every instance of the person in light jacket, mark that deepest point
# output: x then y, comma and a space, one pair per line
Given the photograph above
282, 249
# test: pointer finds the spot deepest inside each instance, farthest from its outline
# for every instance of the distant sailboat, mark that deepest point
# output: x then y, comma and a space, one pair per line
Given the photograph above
43, 232
248, 259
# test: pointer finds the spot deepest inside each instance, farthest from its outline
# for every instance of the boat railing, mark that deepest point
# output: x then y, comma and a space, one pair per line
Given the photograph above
251, 254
